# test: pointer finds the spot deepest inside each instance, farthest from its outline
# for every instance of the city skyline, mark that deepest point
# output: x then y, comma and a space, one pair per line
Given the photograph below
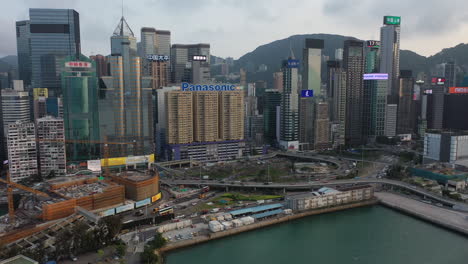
426, 31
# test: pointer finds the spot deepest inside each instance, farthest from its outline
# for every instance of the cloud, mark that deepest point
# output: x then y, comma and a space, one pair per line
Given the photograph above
235, 27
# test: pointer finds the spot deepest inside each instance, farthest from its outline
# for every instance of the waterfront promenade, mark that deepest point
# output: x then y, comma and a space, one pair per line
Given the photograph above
450, 219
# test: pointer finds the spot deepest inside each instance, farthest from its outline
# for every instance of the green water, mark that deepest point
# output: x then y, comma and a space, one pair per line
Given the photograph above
363, 235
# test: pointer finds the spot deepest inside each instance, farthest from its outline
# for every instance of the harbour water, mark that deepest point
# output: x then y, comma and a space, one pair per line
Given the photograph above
363, 235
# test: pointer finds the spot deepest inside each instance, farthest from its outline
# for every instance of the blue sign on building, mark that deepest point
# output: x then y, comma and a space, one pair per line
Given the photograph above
307, 93
293, 63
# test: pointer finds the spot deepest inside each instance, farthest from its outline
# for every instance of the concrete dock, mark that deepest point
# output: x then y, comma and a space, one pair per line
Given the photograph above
450, 219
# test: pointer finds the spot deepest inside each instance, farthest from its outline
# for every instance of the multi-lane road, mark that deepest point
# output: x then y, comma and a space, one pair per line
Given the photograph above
311, 185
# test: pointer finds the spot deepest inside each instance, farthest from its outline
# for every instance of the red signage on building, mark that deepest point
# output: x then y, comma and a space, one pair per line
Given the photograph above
458, 90
78, 64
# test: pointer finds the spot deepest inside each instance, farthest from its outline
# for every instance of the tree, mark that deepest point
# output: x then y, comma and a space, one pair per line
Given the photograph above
120, 249
148, 256
158, 242
114, 225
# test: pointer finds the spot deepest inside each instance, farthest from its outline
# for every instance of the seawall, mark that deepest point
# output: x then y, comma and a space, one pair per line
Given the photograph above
261, 224
448, 219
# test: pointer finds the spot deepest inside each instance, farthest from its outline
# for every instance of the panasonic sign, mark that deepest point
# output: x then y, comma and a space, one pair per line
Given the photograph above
204, 87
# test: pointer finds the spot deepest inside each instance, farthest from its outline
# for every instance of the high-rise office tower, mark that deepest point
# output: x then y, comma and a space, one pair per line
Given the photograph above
374, 94
155, 51
51, 141
53, 35
311, 80
321, 126
390, 63
278, 81
80, 111
289, 119
336, 83
435, 106
102, 65
23, 35
22, 153
260, 88
455, 110
390, 53
14, 107
450, 74
126, 107
40, 96
272, 100
182, 58
406, 108
353, 63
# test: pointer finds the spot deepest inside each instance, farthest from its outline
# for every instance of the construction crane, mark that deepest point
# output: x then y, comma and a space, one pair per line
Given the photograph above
11, 185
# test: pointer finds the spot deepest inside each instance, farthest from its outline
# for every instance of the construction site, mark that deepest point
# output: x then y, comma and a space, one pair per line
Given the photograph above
54, 200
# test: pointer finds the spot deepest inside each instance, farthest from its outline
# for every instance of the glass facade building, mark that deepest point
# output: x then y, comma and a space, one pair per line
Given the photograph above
80, 108
44, 42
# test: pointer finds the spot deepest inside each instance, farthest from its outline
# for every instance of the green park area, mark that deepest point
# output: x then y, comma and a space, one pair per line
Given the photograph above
234, 199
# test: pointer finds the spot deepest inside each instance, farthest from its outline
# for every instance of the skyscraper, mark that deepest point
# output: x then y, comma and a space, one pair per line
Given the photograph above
374, 94
53, 35
336, 83
179, 117
353, 63
80, 111
289, 119
15, 107
272, 100
51, 141
102, 65
311, 80
406, 111
278, 81
23, 35
390, 53
182, 57
126, 107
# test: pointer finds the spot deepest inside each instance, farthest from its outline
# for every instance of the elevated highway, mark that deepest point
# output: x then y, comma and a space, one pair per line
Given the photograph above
311, 185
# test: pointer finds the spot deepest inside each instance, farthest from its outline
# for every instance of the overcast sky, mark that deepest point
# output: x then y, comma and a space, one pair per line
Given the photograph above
235, 27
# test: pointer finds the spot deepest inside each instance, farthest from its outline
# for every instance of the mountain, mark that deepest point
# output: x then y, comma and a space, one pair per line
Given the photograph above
273, 53
8, 63
11, 59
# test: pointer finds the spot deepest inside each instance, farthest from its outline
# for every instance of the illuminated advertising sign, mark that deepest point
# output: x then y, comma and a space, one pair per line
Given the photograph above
131, 160
156, 197
458, 90
391, 20
429, 91
204, 87
124, 208
438, 81
94, 165
108, 212
292, 63
375, 76
373, 43
153, 57
307, 93
142, 202
78, 64
199, 58
40, 92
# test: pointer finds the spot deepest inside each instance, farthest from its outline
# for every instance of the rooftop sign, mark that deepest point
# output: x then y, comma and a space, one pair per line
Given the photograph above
375, 76
153, 57
205, 87
458, 90
391, 20
373, 43
307, 93
78, 64
199, 58
292, 63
